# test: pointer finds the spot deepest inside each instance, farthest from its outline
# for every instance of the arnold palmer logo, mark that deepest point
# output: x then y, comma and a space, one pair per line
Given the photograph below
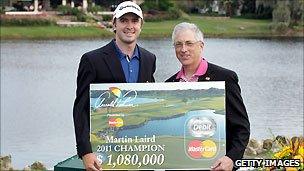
114, 97
132, 6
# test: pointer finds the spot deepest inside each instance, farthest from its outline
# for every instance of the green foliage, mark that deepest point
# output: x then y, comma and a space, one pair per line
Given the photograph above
197, 4
250, 11
26, 22
247, 16
64, 10
280, 27
183, 6
82, 17
281, 14
248, 7
67, 10
173, 13
264, 12
160, 5
75, 11
184, 16
297, 13
148, 5
165, 5
106, 17
38, 166
2, 10
95, 9
214, 14
230, 6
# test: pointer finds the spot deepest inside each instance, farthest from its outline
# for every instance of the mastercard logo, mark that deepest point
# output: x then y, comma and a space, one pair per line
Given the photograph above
201, 149
115, 122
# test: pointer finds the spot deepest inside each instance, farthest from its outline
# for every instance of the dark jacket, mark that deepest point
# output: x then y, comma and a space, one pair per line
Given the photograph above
237, 123
102, 66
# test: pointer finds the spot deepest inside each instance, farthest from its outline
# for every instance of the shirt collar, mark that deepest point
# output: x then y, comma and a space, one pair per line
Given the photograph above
121, 55
201, 70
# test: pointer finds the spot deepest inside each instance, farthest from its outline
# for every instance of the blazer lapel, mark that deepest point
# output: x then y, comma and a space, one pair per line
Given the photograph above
205, 77
113, 63
142, 65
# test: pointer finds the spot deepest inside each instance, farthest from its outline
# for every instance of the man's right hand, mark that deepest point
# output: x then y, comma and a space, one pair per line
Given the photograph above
90, 162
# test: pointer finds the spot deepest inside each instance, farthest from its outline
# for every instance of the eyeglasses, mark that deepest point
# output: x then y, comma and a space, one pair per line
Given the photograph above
189, 44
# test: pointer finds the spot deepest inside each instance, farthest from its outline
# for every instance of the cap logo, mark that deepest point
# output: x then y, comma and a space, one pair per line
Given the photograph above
132, 6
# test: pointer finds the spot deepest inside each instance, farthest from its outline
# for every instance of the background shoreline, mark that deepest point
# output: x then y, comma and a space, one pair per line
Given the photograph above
212, 28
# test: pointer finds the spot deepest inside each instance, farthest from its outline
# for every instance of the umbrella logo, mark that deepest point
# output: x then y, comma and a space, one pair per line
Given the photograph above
116, 92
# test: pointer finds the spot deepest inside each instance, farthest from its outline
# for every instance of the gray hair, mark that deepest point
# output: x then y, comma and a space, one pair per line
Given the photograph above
188, 26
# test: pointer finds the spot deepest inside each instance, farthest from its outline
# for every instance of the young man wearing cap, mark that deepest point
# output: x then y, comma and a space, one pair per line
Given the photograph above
120, 61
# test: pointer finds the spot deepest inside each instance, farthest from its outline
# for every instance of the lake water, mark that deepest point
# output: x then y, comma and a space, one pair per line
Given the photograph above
38, 82
176, 126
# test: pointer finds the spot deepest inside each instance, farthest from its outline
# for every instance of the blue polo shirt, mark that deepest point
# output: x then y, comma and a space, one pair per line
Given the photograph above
130, 66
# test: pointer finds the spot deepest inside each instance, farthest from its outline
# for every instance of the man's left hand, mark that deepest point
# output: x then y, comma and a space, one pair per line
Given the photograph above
223, 163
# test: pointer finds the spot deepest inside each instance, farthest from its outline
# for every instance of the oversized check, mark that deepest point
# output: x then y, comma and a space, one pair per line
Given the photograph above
174, 126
